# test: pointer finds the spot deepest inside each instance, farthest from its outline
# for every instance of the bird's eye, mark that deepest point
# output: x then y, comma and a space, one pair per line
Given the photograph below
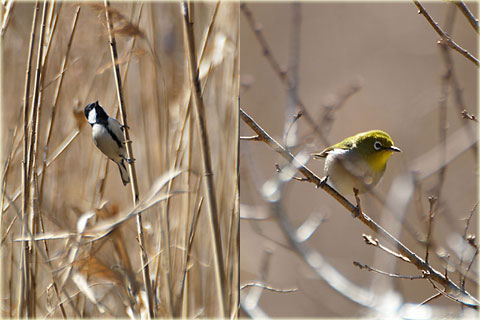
377, 146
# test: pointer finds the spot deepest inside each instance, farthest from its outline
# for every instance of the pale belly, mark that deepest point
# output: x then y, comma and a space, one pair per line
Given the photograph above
346, 173
106, 144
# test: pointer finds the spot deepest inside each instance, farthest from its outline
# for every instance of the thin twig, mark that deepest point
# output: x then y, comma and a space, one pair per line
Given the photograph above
467, 299
445, 38
253, 297
282, 75
131, 163
392, 275
444, 293
468, 14
220, 277
469, 116
374, 242
250, 138
431, 298
277, 167
338, 102
263, 286
442, 121
431, 201
462, 279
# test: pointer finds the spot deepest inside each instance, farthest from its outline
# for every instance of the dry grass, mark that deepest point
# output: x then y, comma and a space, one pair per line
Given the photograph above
72, 249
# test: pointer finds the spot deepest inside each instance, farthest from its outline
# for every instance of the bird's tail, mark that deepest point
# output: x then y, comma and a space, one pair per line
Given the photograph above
123, 172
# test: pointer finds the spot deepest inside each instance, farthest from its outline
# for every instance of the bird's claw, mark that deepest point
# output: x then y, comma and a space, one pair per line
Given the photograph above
357, 199
323, 182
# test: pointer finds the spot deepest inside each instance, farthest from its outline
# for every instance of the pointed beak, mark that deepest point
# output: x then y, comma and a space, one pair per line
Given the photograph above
395, 149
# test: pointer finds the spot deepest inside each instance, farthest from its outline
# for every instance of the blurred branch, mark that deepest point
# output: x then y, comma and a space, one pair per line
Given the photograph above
272, 192
445, 38
442, 121
431, 201
468, 14
220, 276
252, 298
290, 127
285, 79
6, 16
429, 272
131, 163
338, 101
429, 163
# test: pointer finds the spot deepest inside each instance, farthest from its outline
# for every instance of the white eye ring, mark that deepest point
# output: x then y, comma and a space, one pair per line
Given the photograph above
377, 146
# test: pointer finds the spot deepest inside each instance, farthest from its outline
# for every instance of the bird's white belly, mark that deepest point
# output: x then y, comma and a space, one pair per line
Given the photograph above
106, 144
346, 171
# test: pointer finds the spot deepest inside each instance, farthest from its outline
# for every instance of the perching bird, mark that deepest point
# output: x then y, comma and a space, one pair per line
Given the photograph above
108, 136
357, 162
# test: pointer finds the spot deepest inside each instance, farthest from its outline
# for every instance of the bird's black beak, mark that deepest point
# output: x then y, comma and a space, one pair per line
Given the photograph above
395, 149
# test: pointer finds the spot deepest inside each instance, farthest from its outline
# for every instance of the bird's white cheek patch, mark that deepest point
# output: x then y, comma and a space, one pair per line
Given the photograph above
92, 116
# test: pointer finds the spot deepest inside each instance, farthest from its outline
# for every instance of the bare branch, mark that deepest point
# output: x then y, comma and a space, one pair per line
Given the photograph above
468, 14
263, 286
445, 38
466, 298
392, 275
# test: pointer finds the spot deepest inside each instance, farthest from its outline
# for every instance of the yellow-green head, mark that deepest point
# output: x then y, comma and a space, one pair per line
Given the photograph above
358, 161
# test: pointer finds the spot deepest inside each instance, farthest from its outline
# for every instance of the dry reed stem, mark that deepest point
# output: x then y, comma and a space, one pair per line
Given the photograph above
28, 236
206, 162
23, 268
165, 228
427, 270
103, 180
63, 146
176, 162
56, 97
132, 171
6, 16
50, 125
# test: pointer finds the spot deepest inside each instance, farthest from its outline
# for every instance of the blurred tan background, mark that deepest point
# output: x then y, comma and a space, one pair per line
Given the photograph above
389, 52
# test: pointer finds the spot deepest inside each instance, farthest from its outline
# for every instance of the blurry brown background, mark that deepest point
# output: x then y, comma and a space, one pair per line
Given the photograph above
390, 53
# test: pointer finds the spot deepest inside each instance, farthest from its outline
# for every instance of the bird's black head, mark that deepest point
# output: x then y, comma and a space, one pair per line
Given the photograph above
95, 113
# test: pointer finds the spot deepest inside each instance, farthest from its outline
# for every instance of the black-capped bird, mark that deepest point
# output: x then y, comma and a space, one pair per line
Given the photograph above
108, 136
